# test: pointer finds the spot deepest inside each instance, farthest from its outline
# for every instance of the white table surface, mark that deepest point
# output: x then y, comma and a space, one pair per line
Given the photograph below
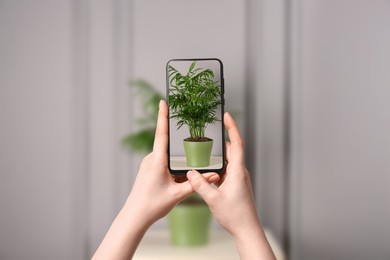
156, 245
180, 163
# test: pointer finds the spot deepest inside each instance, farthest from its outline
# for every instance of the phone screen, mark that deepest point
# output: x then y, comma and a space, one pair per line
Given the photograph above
195, 94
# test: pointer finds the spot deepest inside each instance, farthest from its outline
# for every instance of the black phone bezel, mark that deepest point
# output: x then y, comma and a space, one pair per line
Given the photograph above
221, 170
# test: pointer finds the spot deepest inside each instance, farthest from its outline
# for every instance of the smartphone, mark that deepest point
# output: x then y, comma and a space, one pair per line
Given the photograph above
195, 97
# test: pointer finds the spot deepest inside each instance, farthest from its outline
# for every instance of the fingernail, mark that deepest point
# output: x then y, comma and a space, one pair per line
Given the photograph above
190, 174
159, 105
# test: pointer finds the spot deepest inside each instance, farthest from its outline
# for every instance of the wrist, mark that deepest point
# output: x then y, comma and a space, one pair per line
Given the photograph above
244, 223
252, 243
135, 216
248, 228
123, 236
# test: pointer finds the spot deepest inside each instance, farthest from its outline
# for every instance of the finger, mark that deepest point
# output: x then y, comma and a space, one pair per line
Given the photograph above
160, 146
185, 188
211, 177
221, 180
182, 190
231, 127
237, 145
227, 151
200, 185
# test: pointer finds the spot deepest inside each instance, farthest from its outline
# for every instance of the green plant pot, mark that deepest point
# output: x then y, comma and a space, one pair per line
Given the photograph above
198, 153
189, 225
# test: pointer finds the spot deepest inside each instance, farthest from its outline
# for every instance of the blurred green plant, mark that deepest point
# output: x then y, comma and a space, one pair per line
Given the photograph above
142, 140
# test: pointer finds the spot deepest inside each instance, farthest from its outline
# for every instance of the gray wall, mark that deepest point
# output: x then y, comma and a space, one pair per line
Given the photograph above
219, 34
265, 143
40, 209
341, 130
63, 111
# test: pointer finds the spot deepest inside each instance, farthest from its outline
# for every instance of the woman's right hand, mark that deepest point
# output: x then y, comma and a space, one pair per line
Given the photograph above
232, 203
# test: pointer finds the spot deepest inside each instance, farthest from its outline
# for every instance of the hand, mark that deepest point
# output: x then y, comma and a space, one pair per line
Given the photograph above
153, 195
235, 191
232, 203
155, 192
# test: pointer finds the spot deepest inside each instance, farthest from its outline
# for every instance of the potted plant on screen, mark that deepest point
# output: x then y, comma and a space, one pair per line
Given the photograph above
193, 101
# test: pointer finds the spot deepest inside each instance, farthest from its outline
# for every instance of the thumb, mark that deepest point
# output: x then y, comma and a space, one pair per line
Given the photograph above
200, 185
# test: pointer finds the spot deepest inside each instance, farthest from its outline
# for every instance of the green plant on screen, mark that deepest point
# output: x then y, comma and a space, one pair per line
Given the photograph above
193, 99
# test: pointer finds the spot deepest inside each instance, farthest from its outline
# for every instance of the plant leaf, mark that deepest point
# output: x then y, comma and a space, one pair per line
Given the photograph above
140, 142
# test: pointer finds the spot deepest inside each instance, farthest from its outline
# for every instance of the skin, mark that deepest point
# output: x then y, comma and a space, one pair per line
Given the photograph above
235, 192
155, 193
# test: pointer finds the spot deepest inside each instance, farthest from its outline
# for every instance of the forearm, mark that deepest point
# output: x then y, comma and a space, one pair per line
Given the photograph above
124, 235
252, 243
